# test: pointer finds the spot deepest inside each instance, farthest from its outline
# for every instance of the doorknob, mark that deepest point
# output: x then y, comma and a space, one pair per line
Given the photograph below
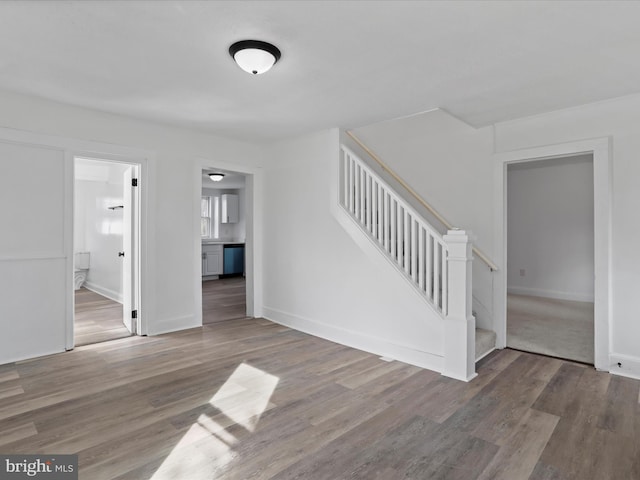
121, 254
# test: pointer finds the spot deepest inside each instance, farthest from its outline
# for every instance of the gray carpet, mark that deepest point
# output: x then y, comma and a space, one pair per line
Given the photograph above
559, 328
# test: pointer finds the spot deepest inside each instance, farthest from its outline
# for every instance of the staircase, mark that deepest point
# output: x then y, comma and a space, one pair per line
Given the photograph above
437, 267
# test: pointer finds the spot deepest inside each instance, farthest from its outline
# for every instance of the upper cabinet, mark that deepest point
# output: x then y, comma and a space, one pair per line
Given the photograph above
230, 208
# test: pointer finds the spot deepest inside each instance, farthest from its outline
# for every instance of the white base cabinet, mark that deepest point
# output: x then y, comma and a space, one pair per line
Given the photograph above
212, 260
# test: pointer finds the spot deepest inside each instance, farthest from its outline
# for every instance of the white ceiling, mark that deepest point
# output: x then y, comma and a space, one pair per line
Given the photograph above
347, 64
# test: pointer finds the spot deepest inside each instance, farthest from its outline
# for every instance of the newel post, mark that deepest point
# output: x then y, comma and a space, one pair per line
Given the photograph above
460, 324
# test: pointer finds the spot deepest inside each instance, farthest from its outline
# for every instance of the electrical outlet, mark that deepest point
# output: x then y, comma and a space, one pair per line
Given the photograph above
522, 272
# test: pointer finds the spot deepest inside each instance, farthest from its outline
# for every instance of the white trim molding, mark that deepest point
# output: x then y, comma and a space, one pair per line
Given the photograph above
73, 147
173, 324
105, 292
624, 365
556, 294
600, 148
357, 340
253, 238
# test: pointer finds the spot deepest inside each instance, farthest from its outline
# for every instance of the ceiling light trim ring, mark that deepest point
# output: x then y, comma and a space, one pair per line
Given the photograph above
244, 45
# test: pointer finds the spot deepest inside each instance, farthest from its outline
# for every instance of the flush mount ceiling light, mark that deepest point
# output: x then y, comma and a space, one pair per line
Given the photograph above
216, 177
254, 56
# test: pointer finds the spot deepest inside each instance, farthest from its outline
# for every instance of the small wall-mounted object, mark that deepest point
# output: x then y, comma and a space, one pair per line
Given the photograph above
116, 207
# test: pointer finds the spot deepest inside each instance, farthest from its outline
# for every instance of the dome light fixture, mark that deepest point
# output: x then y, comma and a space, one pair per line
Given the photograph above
254, 56
216, 177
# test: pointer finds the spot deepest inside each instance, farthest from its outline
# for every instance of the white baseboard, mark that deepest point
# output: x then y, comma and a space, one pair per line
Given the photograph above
375, 345
624, 365
538, 292
167, 325
32, 355
105, 292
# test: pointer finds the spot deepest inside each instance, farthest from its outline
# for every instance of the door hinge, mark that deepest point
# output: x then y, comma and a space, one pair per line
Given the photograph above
134, 182
134, 314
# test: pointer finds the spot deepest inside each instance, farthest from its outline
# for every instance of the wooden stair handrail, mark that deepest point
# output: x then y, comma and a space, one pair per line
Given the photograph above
492, 266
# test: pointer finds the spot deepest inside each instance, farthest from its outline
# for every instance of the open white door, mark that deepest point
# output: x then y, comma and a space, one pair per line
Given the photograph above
130, 251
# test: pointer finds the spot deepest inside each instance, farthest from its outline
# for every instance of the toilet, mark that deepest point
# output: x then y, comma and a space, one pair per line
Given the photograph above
80, 268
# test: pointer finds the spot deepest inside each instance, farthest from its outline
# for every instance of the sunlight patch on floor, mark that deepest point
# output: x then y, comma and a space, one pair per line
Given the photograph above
253, 389
207, 447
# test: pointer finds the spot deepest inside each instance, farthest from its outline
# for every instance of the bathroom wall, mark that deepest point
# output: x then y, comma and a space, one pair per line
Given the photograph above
98, 229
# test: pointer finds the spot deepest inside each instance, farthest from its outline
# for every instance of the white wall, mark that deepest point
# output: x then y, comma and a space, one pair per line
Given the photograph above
98, 229
170, 305
315, 276
317, 279
619, 119
33, 251
550, 228
447, 163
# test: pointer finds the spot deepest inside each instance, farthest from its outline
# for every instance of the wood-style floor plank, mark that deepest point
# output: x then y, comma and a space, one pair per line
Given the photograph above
518, 457
249, 399
224, 299
97, 318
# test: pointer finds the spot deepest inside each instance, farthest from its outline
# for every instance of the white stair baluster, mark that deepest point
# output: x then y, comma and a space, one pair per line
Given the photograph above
421, 259
393, 229
406, 257
445, 286
436, 274
429, 271
421, 255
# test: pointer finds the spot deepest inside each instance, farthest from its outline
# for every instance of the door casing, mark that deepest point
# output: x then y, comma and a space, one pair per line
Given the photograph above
600, 148
132, 265
254, 229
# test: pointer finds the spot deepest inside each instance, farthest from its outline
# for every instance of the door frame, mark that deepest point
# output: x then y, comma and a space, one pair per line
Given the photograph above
140, 256
253, 239
600, 148
132, 251
73, 147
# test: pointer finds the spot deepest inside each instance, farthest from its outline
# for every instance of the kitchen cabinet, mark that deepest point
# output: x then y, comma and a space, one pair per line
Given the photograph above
212, 260
230, 208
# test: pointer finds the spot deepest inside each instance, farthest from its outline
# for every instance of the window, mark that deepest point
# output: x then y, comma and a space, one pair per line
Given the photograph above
205, 217
210, 217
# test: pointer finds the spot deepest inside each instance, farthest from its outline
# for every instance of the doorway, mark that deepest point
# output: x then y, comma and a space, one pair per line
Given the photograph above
600, 149
550, 257
223, 211
106, 250
238, 293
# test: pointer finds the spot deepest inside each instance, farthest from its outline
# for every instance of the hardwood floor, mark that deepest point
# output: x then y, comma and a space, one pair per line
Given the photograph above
224, 299
250, 399
97, 319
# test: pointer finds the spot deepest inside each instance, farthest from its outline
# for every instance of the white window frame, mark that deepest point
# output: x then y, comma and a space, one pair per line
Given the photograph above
206, 217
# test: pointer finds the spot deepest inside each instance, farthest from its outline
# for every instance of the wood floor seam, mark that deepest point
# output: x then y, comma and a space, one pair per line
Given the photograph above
248, 399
